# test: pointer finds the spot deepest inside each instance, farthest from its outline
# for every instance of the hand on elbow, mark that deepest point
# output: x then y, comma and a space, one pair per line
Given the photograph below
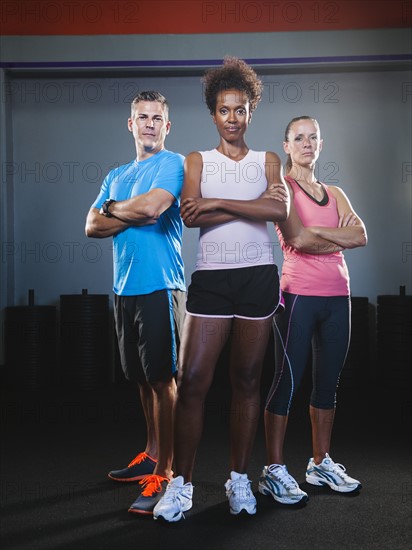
189, 223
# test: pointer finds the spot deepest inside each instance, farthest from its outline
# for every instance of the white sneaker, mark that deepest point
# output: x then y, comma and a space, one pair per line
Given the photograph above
176, 500
276, 481
332, 474
239, 493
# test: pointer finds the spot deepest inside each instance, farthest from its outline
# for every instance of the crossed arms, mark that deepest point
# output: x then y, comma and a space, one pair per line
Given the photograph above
350, 232
197, 211
144, 209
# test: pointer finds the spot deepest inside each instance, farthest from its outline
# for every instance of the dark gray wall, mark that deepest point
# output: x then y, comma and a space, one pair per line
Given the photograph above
68, 132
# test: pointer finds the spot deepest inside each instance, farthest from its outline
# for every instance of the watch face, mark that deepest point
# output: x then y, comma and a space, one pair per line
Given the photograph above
106, 205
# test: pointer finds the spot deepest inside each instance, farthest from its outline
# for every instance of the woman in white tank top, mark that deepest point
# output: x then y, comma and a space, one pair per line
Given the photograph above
230, 193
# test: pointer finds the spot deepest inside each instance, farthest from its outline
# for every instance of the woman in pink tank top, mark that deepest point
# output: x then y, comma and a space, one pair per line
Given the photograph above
315, 285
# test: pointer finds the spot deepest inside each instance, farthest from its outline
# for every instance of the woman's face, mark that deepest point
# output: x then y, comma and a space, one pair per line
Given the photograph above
232, 114
304, 142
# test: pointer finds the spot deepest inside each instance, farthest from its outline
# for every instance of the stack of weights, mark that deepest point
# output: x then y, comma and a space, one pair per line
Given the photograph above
394, 328
31, 345
356, 370
84, 339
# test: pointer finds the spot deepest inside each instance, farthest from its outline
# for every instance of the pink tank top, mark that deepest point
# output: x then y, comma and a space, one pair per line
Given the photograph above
313, 274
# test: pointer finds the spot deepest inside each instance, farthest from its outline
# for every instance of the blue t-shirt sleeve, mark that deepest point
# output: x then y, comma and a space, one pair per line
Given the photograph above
165, 171
104, 193
169, 176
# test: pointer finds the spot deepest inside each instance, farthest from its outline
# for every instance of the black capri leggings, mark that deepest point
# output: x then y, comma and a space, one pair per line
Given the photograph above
320, 322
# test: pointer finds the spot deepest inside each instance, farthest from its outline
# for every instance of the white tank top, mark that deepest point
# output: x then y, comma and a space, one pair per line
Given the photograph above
239, 243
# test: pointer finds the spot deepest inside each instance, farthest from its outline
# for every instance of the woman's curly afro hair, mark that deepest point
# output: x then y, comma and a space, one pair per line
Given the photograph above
234, 74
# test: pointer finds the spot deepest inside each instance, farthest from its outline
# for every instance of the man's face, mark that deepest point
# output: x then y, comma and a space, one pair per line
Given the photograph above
149, 125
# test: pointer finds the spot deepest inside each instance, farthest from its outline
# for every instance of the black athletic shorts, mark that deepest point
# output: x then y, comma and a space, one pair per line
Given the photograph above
245, 292
148, 329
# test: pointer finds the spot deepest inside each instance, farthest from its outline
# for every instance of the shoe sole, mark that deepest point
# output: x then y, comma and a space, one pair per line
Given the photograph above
285, 500
127, 479
175, 518
251, 511
243, 511
141, 512
338, 488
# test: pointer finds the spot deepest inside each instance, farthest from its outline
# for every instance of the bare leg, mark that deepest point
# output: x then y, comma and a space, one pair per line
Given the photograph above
275, 431
147, 400
250, 339
164, 397
322, 424
202, 341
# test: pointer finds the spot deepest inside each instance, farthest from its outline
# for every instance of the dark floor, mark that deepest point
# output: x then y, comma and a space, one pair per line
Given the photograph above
58, 447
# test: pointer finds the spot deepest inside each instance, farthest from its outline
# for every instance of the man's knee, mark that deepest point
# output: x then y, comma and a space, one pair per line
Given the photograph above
161, 386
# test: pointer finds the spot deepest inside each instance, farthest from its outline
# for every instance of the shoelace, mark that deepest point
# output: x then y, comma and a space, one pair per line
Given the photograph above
239, 488
151, 484
139, 458
172, 492
338, 469
284, 477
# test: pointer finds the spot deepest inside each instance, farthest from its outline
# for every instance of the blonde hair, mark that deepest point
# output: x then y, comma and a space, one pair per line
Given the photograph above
152, 96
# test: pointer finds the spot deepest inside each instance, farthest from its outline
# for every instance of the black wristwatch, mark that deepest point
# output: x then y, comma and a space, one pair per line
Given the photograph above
105, 208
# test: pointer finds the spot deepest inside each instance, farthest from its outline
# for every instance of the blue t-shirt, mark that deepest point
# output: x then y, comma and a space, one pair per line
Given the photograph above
147, 258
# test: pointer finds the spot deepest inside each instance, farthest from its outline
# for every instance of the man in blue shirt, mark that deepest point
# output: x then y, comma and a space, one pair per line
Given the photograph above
138, 205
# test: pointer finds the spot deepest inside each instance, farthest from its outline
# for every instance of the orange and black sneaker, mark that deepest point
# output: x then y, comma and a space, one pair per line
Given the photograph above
141, 466
153, 488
